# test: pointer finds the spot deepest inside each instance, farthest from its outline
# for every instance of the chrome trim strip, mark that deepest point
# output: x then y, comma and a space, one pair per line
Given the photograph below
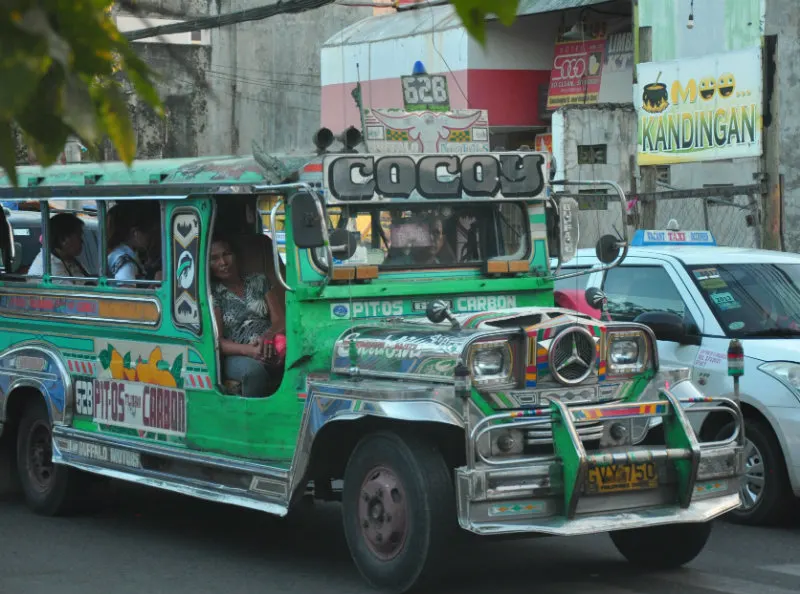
173, 453
46, 292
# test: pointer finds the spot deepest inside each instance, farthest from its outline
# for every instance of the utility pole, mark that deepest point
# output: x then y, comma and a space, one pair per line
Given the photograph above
772, 198
648, 173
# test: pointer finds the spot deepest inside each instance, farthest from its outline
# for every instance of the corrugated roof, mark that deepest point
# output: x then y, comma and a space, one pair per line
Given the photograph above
426, 20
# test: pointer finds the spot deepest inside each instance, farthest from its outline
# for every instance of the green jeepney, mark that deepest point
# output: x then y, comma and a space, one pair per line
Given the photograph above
429, 382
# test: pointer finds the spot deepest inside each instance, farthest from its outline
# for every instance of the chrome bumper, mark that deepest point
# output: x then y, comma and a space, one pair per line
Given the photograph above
697, 482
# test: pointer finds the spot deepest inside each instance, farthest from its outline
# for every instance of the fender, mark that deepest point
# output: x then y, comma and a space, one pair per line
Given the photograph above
37, 365
339, 401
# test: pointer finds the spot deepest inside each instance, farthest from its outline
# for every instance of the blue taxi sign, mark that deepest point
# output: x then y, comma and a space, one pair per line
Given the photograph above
648, 237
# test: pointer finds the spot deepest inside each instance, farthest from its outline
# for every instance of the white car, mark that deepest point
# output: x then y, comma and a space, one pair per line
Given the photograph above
717, 294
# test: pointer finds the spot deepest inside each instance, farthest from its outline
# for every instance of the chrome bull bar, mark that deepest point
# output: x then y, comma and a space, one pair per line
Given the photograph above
557, 483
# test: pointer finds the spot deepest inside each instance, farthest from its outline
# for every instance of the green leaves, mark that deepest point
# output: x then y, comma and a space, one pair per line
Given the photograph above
473, 14
63, 66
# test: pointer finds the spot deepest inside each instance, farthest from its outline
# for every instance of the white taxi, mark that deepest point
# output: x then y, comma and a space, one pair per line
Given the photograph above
717, 294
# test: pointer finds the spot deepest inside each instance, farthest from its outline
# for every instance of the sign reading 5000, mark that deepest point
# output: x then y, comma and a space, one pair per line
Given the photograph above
435, 177
700, 109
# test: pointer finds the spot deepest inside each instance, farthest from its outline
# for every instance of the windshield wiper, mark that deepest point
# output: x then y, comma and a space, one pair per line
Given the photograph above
774, 332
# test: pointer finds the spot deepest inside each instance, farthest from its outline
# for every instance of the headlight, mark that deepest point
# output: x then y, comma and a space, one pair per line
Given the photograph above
624, 352
490, 363
785, 372
628, 352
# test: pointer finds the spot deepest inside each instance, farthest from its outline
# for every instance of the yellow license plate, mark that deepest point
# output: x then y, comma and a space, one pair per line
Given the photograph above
622, 477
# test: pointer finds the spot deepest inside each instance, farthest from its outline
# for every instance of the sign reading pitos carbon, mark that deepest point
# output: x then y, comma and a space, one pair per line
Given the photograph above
700, 109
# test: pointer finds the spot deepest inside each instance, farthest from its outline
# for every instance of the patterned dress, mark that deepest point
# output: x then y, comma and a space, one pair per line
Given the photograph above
244, 320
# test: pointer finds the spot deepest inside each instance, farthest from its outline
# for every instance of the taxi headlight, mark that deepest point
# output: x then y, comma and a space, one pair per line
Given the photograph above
628, 352
785, 372
490, 363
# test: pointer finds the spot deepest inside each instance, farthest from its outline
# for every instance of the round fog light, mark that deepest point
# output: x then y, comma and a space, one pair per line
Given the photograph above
505, 443
618, 431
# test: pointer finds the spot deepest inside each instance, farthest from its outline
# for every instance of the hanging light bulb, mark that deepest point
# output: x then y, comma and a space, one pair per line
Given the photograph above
690, 22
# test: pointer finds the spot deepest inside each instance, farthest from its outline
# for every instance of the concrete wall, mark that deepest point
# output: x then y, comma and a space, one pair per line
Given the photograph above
612, 125
255, 82
265, 77
783, 20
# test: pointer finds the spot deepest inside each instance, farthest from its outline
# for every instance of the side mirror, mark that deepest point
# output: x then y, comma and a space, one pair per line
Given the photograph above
595, 298
607, 249
343, 244
307, 222
438, 311
17, 262
667, 327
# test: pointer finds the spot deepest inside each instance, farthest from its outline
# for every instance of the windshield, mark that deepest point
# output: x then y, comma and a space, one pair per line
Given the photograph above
752, 300
428, 236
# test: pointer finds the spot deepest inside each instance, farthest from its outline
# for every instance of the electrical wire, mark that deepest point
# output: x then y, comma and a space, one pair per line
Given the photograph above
233, 18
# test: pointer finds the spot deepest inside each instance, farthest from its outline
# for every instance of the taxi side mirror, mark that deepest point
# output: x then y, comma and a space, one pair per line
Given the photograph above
667, 327
307, 220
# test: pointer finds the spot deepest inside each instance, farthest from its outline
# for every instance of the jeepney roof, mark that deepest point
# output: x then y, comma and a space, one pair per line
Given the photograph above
245, 171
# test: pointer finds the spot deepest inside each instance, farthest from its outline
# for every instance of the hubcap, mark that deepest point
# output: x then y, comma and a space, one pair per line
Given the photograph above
382, 513
753, 482
40, 456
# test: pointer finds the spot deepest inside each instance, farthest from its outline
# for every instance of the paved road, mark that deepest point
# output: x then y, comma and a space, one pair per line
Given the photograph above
146, 541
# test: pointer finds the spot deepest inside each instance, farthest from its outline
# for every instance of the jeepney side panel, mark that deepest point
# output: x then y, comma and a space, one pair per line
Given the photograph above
125, 367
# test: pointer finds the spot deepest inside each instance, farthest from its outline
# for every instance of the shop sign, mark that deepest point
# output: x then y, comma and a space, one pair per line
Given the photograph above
700, 109
576, 74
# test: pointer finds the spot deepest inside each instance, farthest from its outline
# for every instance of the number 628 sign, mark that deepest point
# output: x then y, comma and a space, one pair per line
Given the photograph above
425, 92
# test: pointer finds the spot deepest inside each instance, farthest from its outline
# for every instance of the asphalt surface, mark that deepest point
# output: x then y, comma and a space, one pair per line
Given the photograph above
136, 540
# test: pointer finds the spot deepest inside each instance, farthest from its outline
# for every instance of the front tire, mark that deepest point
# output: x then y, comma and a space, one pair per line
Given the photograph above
398, 510
766, 492
50, 489
662, 547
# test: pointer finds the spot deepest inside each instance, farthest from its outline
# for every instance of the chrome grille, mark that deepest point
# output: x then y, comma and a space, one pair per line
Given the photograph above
587, 431
572, 356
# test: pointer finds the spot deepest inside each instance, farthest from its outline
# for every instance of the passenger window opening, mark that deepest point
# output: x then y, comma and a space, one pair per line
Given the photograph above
71, 241
134, 247
248, 301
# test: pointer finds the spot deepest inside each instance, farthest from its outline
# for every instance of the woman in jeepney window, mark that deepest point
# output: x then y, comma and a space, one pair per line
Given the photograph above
131, 226
66, 244
249, 318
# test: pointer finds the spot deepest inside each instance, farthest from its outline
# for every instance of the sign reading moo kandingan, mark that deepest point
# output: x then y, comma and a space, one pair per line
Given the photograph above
700, 109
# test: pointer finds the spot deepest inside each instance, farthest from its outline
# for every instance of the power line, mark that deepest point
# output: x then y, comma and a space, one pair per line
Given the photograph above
214, 22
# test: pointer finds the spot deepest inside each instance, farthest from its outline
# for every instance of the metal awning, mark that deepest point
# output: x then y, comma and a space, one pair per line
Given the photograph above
425, 20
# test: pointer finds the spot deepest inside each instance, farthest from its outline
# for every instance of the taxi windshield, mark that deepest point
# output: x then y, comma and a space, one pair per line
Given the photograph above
435, 236
752, 300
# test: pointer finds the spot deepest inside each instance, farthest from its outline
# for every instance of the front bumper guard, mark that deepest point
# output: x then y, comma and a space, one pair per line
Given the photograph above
549, 494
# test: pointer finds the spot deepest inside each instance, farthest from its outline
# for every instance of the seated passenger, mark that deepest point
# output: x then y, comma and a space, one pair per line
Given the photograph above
66, 241
130, 230
247, 315
441, 250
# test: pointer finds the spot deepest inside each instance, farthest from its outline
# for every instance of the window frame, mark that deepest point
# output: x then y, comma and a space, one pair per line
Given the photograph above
691, 310
143, 287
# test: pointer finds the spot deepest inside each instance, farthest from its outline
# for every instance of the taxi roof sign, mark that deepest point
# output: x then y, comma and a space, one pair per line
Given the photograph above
648, 237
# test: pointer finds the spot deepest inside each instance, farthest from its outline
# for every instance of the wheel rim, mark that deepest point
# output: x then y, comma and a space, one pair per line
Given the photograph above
382, 513
40, 456
752, 489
